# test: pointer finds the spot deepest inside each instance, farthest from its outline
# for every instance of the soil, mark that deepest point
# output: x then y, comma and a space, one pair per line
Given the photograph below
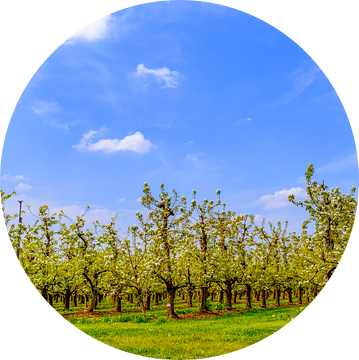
189, 316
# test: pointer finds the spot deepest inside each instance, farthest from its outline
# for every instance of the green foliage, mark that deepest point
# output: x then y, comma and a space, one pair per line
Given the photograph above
333, 214
161, 320
183, 246
185, 311
4, 198
123, 318
191, 339
141, 319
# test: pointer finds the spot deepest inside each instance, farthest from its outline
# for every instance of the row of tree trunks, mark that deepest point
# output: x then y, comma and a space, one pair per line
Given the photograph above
261, 295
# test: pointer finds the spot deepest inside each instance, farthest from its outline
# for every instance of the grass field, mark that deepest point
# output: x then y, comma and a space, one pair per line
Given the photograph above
156, 337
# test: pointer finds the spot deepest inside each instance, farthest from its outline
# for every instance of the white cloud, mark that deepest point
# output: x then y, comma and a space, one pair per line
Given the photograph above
280, 198
135, 142
121, 200
69, 210
23, 187
85, 139
258, 218
244, 121
162, 75
98, 30
102, 215
139, 199
17, 178
41, 107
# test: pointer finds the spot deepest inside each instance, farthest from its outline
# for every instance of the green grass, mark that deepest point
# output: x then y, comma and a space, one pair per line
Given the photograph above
185, 339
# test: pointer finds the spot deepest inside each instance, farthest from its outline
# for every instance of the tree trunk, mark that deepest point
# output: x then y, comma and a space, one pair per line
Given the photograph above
91, 306
263, 298
307, 295
67, 301
228, 292
156, 299
203, 299
235, 297
75, 300
50, 300
148, 302
117, 303
290, 298
257, 295
277, 297
212, 296
220, 296
189, 295
315, 292
171, 294
44, 293
229, 299
300, 294
248, 297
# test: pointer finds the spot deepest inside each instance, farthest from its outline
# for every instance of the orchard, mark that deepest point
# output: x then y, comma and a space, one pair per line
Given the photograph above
185, 248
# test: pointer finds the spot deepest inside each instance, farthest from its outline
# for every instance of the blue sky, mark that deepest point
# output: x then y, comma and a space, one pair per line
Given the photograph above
192, 95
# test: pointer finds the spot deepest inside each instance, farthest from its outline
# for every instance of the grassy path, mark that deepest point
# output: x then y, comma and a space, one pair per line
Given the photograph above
185, 339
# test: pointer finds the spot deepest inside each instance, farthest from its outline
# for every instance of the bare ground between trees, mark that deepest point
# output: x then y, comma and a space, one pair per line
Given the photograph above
188, 316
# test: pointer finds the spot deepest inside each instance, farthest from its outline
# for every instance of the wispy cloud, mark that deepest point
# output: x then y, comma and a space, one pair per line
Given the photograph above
197, 159
23, 187
98, 30
192, 157
121, 200
245, 121
41, 107
301, 80
166, 125
280, 198
162, 75
135, 142
12, 178
339, 165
